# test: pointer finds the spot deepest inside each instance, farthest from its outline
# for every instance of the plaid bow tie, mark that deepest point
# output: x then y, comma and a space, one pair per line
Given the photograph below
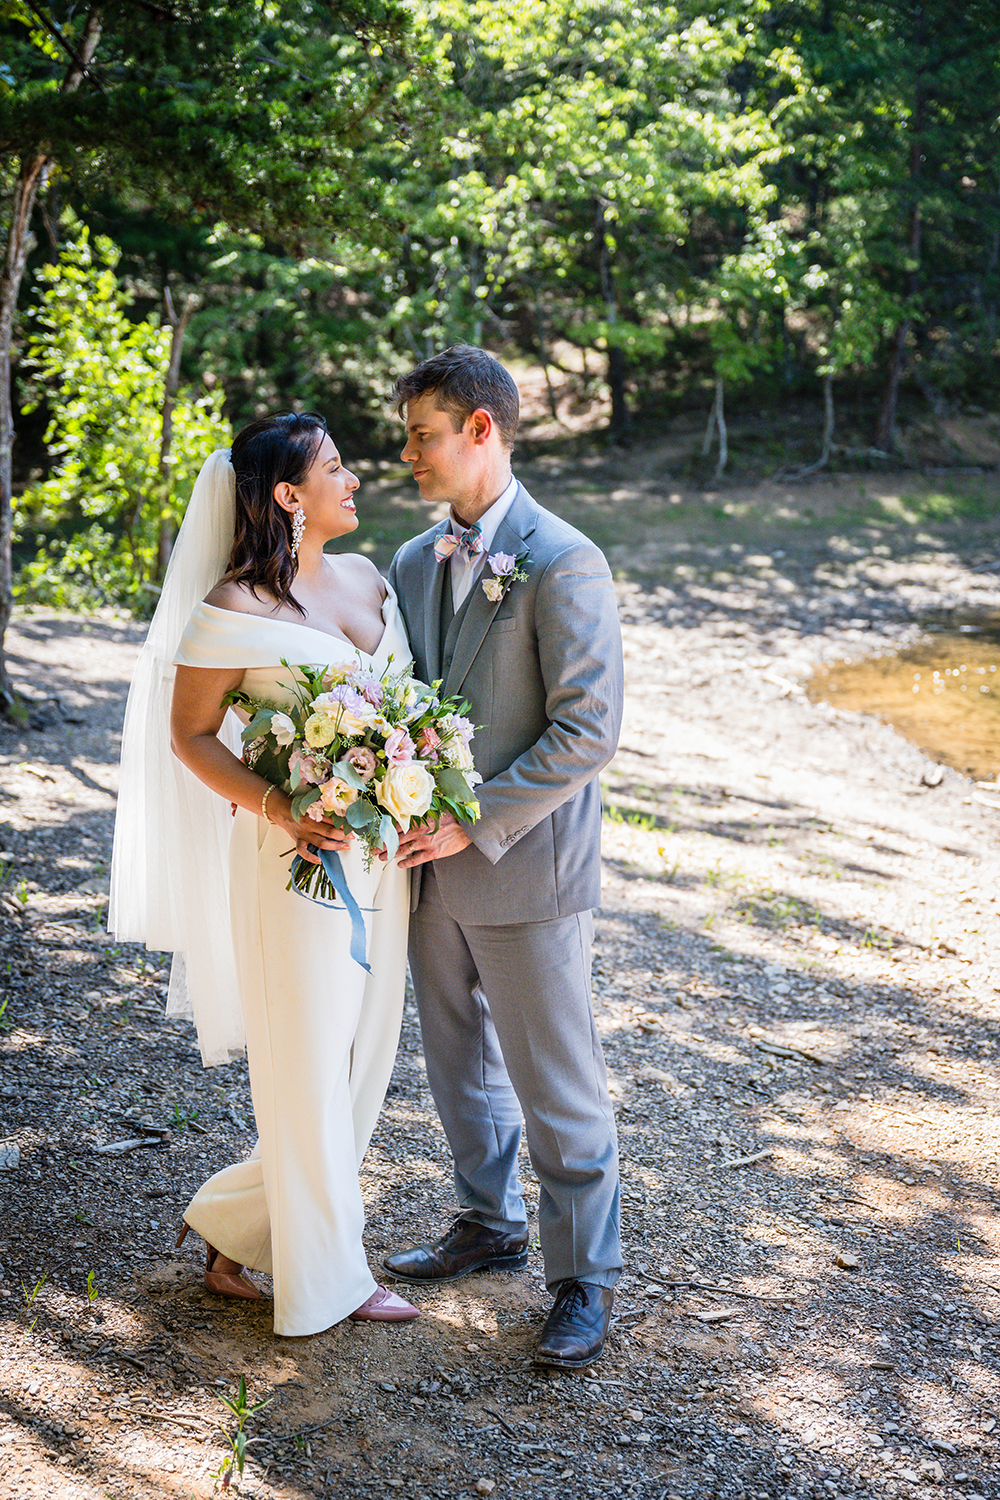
470, 541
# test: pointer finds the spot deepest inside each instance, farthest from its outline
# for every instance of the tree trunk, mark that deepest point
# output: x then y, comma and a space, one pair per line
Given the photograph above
720, 423
178, 327
621, 417
829, 422
886, 425
31, 181
717, 424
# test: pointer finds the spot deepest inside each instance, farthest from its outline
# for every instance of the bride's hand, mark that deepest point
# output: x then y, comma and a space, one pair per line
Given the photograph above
306, 831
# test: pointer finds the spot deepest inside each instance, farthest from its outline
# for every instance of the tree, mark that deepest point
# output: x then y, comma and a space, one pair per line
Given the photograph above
110, 383
248, 113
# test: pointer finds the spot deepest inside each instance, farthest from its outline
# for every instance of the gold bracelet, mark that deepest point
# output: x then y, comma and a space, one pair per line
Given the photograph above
263, 803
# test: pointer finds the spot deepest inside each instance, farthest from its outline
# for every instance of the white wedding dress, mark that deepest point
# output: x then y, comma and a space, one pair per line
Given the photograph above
321, 1033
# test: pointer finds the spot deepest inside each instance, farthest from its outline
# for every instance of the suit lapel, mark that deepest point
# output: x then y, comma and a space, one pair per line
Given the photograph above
512, 536
434, 576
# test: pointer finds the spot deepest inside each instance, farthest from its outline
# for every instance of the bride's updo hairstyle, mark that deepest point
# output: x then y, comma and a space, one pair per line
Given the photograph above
272, 450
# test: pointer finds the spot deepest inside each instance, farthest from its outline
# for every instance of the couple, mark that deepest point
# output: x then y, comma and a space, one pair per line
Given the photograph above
499, 911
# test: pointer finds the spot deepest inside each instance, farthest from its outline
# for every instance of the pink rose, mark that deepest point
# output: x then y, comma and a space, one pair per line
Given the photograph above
370, 688
363, 760
399, 748
312, 768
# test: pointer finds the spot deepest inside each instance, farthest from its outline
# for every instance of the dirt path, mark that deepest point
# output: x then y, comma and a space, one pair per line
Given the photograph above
797, 984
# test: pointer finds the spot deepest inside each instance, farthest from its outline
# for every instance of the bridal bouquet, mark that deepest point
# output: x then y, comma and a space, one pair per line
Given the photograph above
365, 753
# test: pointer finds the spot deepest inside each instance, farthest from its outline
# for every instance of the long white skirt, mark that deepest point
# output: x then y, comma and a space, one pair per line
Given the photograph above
321, 1039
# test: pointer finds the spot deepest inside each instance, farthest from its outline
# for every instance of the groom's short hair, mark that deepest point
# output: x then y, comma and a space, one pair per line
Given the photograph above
464, 379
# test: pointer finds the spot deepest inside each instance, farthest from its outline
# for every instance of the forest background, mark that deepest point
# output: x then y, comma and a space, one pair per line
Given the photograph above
212, 211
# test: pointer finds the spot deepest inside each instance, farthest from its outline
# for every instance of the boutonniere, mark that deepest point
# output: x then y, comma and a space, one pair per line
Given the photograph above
506, 569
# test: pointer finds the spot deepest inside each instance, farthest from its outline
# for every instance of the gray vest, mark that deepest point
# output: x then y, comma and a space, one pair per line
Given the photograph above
451, 621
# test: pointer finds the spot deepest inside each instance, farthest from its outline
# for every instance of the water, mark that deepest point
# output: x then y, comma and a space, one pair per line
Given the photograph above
943, 694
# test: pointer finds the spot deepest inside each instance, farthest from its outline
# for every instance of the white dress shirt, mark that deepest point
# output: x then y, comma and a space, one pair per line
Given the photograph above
465, 569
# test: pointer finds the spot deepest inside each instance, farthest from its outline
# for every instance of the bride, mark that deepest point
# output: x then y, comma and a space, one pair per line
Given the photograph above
249, 595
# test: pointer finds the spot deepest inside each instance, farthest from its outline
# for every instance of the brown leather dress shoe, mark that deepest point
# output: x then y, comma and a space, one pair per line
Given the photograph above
466, 1247
577, 1326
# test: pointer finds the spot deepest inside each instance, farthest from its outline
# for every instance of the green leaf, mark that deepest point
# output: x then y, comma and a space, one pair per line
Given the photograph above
388, 835
452, 783
361, 813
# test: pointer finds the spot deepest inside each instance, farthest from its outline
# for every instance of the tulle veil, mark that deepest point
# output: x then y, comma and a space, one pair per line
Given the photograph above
170, 865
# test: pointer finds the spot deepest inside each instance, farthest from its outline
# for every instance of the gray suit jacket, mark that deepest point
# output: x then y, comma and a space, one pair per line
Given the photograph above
542, 671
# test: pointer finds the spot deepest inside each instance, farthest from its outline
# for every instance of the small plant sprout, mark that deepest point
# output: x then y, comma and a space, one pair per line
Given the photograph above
92, 1292
242, 1410
29, 1297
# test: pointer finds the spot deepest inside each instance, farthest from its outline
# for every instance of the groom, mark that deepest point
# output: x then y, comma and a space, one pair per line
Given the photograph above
502, 924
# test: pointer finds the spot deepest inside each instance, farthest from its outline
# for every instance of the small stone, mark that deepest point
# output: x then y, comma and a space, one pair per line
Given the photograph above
908, 1474
634, 1414
10, 1156
846, 1261
989, 1424
931, 1469
485, 1486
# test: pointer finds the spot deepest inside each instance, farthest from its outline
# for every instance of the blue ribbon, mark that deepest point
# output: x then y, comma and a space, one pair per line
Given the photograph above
330, 860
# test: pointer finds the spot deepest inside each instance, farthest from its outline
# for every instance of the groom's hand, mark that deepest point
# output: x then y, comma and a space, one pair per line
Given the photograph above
418, 845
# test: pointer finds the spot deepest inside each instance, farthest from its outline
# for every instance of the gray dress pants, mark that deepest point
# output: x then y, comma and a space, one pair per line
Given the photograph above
507, 1026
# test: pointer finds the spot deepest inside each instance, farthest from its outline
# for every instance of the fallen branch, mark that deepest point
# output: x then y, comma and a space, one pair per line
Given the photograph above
505, 1425
708, 1286
119, 1148
748, 1161
786, 1049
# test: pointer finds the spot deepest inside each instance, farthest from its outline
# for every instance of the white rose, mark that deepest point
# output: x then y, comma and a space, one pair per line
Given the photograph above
406, 791
493, 589
457, 752
349, 719
282, 728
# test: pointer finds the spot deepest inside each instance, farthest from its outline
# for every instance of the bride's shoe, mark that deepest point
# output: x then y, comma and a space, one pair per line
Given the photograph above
384, 1306
231, 1283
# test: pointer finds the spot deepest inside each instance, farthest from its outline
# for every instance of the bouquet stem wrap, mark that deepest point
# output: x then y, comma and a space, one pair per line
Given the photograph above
330, 860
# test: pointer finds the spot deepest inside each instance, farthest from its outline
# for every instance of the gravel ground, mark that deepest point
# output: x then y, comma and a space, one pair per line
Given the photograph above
797, 986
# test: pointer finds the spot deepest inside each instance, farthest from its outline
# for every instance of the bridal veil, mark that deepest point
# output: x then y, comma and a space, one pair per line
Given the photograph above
169, 869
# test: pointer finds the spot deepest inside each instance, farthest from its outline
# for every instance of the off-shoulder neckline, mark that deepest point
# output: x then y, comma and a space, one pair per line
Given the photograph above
341, 640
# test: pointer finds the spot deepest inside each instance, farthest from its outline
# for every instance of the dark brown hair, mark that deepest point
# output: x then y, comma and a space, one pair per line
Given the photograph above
270, 451
464, 379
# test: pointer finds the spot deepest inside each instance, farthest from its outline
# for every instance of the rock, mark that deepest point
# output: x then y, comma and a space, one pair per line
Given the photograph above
931, 1469
846, 1261
485, 1486
10, 1156
933, 775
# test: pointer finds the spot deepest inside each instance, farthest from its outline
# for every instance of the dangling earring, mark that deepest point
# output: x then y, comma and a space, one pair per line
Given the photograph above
298, 527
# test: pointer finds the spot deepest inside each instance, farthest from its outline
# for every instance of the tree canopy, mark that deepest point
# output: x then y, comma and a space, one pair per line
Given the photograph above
745, 201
